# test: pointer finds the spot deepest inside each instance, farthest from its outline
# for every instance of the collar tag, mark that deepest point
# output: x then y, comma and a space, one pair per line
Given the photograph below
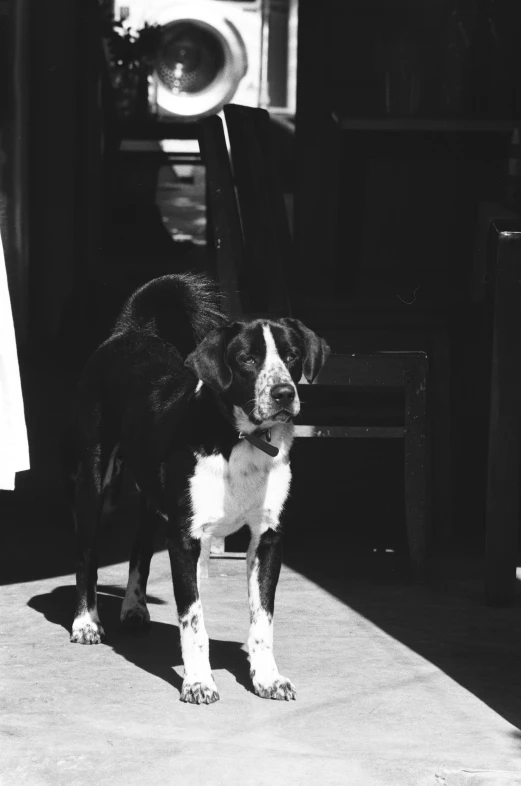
255, 439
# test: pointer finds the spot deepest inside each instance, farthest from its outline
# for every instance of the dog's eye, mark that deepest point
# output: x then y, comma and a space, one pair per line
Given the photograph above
247, 360
291, 357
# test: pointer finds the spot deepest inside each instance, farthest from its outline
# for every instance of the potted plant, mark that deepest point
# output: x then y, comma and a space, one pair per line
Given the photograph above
130, 54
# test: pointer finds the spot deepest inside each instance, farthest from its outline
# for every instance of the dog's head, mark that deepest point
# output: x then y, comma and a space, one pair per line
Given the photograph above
256, 365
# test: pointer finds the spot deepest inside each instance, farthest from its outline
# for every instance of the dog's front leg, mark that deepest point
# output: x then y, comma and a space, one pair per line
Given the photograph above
198, 684
264, 562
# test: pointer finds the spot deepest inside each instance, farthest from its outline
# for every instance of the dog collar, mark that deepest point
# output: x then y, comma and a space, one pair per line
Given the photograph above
264, 445
254, 438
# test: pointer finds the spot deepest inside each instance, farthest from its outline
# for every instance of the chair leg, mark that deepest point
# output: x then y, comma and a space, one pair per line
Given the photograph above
440, 436
416, 465
502, 517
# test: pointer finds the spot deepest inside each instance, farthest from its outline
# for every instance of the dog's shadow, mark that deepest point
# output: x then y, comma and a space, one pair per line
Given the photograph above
157, 650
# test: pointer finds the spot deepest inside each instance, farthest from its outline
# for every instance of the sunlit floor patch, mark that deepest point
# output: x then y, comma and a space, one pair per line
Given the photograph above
395, 685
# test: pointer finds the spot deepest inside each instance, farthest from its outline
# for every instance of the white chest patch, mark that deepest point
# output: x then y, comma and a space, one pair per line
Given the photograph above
250, 488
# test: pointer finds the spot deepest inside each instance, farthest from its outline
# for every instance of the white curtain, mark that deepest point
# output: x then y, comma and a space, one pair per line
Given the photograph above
14, 449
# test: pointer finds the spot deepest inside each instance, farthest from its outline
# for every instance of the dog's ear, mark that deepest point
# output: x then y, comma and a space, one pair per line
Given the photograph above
316, 349
208, 361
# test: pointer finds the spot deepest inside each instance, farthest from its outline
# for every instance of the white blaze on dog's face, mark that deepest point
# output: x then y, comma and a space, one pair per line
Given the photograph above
256, 367
276, 396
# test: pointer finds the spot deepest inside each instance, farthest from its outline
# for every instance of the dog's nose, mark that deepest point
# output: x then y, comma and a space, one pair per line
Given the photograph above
283, 394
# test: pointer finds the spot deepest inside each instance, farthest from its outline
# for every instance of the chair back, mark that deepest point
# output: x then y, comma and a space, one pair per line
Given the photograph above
247, 211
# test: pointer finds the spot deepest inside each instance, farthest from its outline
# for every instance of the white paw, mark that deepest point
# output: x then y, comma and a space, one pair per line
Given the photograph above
275, 687
87, 632
199, 691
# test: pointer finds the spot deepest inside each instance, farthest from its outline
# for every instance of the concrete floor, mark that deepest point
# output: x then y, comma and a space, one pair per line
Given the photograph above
396, 685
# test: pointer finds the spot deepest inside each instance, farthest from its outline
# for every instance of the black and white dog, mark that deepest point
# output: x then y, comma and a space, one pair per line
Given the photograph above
200, 412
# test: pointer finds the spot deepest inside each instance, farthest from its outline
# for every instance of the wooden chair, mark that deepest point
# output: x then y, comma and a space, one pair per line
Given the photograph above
253, 247
498, 269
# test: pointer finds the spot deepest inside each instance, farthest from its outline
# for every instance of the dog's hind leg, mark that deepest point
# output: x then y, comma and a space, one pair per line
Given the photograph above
86, 628
198, 684
264, 561
134, 612
112, 488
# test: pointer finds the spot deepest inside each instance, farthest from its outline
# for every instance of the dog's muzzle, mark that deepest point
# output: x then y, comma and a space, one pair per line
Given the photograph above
278, 402
285, 400
283, 395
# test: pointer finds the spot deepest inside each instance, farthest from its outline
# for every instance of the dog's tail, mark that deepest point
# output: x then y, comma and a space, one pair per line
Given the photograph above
179, 308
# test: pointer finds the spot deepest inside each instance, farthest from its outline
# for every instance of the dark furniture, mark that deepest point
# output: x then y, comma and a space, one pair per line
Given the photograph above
402, 127
502, 277
253, 252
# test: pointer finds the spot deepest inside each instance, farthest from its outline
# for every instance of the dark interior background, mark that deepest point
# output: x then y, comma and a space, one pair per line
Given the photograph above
403, 227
